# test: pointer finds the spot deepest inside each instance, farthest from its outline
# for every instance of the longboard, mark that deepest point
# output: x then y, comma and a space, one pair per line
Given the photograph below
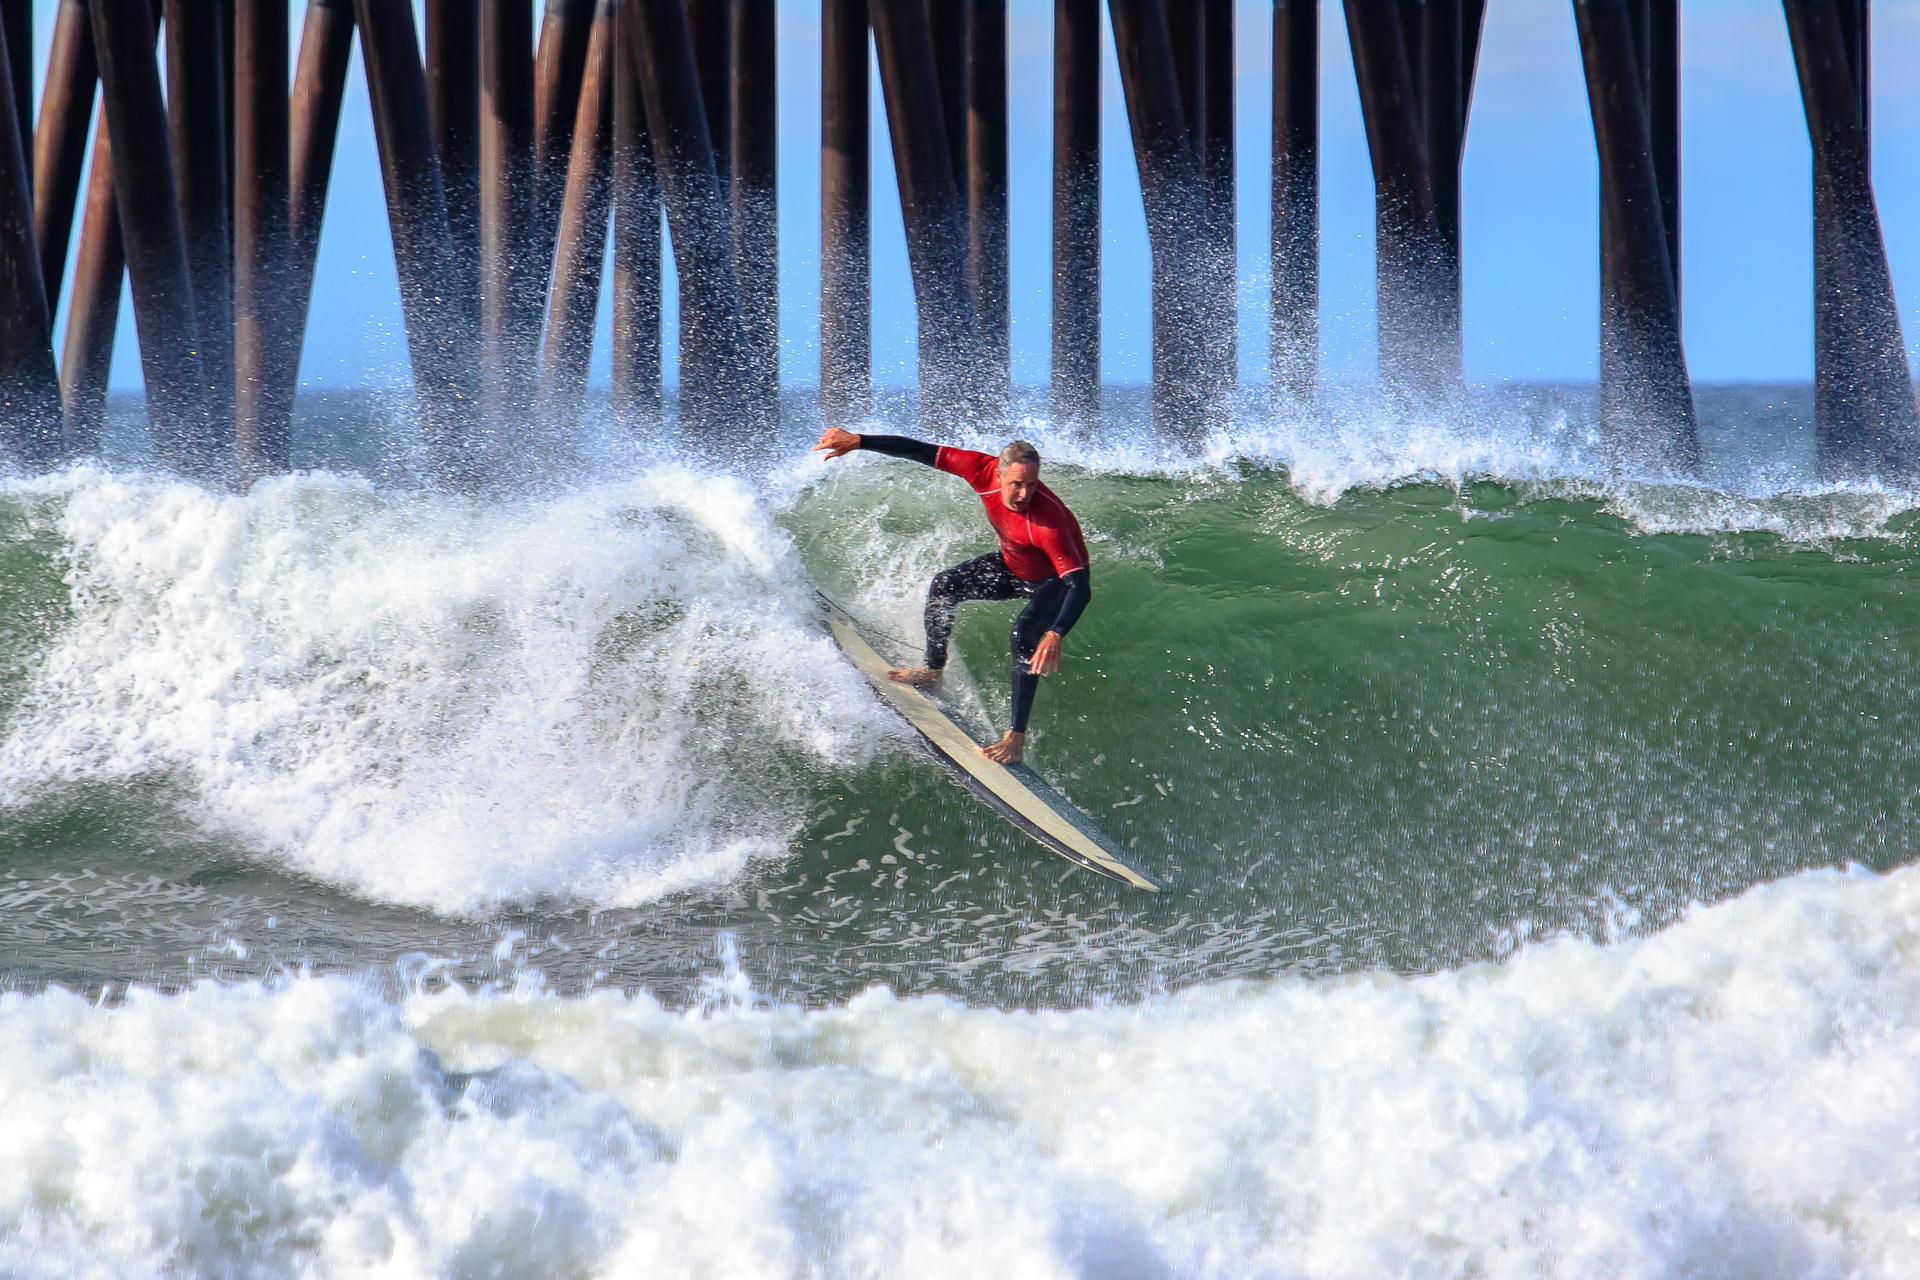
1020, 795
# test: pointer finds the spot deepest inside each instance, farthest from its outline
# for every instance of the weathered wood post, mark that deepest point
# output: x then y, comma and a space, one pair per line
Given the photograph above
1171, 186
319, 88
197, 120
1214, 126
1075, 390
931, 208
846, 272
29, 384
1864, 416
1293, 333
154, 239
714, 374
453, 97
753, 194
512, 272
16, 21
263, 400
439, 326
636, 240
560, 68
987, 212
1646, 399
574, 298
60, 143
93, 311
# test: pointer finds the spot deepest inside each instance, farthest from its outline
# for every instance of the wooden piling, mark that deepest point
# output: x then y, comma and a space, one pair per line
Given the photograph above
16, 21
197, 120
319, 88
29, 384
714, 371
987, 213
60, 143
439, 325
582, 241
1215, 126
1864, 414
846, 263
1646, 399
93, 309
263, 398
453, 97
559, 72
636, 241
931, 208
710, 25
949, 21
1293, 333
1172, 189
753, 193
154, 239
512, 271
1075, 389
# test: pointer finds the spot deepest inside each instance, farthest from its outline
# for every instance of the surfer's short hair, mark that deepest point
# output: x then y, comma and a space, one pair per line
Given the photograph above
1018, 453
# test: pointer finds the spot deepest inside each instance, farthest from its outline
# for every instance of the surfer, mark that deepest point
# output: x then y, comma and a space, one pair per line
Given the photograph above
1042, 559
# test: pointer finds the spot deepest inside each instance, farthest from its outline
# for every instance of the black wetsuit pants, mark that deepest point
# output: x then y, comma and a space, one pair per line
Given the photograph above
987, 578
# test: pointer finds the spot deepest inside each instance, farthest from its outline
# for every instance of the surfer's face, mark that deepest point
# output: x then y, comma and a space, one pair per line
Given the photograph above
1018, 485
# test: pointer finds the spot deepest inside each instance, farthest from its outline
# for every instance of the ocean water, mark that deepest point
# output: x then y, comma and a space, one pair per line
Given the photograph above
400, 883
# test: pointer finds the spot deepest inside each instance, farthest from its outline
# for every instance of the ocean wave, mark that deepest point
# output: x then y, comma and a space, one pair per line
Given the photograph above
1731, 1096
439, 701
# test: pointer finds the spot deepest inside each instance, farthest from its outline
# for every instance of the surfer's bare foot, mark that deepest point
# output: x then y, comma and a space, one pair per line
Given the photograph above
1008, 750
918, 677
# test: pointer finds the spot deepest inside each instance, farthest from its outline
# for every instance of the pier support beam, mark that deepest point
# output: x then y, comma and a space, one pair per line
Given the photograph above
1414, 66
319, 88
60, 143
1173, 190
636, 240
846, 252
512, 271
197, 119
93, 310
987, 215
1646, 398
931, 208
439, 325
1076, 211
263, 399
1864, 417
1293, 327
154, 240
560, 68
29, 385
753, 192
16, 20
1214, 127
582, 242
715, 377
453, 97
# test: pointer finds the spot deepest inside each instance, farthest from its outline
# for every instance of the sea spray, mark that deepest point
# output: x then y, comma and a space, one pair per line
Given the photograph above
442, 701
1732, 1096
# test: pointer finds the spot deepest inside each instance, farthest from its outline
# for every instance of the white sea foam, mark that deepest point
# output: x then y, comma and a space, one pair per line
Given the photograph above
442, 701
1735, 1096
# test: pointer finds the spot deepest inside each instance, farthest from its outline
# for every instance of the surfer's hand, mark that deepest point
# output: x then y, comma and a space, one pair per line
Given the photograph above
1046, 655
836, 442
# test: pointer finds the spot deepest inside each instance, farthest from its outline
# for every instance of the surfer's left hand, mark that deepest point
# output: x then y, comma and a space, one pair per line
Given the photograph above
836, 442
1046, 655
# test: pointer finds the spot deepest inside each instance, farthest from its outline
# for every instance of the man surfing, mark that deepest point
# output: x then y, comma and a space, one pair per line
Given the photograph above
1042, 559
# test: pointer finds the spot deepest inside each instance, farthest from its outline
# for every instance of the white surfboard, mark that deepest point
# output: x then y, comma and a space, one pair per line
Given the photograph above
1020, 795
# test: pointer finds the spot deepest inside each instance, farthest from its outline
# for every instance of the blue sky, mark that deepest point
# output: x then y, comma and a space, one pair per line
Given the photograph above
1530, 213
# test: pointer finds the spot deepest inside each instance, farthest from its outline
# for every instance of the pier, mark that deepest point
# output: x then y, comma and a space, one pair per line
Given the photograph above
517, 142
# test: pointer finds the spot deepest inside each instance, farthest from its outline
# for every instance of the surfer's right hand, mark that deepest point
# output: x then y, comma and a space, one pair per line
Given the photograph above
836, 442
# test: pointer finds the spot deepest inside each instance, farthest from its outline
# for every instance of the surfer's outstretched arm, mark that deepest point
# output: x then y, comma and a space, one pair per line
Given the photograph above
838, 443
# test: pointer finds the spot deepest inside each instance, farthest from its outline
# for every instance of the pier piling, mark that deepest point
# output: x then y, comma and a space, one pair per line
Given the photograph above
512, 272
263, 401
1293, 332
453, 97
93, 308
987, 210
60, 142
1075, 389
636, 241
29, 383
574, 298
846, 185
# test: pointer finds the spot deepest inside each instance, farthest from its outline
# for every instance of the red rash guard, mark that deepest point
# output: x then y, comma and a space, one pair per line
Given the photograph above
1039, 543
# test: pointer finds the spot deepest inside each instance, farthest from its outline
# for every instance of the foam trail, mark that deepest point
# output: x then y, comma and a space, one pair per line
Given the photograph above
1732, 1097
444, 702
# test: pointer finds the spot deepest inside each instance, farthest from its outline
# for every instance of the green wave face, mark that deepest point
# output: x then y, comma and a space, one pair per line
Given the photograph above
1409, 728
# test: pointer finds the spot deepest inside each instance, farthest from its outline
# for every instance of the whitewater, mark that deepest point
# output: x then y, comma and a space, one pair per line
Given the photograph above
405, 883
